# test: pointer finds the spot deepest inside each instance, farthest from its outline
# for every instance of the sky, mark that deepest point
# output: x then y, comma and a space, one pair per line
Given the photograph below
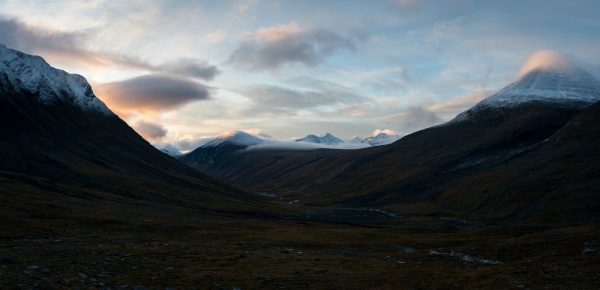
179, 71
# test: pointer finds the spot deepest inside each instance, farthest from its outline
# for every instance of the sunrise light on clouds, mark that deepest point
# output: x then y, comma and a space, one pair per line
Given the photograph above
289, 69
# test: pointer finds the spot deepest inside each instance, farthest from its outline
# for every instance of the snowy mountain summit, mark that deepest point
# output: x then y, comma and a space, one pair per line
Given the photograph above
32, 75
239, 138
548, 76
381, 139
327, 139
171, 150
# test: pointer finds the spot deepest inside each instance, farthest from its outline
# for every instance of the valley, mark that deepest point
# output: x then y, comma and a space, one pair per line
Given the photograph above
504, 194
352, 248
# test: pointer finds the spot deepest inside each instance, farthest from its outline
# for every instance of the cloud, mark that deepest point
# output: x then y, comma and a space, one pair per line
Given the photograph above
449, 109
151, 93
69, 47
274, 47
546, 59
257, 132
150, 131
216, 36
444, 31
407, 3
297, 95
18, 35
413, 119
292, 145
385, 131
287, 98
191, 68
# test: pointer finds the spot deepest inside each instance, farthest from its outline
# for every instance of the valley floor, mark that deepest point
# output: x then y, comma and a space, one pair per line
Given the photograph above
339, 248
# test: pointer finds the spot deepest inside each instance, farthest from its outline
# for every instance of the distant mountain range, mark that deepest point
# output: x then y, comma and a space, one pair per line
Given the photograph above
171, 150
327, 139
523, 153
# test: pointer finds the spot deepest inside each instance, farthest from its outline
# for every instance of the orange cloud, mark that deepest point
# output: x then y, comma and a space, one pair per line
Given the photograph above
546, 59
150, 93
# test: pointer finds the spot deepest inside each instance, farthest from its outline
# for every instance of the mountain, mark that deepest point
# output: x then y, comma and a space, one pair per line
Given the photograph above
326, 139
32, 76
354, 140
381, 139
235, 138
567, 86
171, 150
63, 151
496, 161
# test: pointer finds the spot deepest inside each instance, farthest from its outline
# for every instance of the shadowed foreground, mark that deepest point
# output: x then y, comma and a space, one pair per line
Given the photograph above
322, 249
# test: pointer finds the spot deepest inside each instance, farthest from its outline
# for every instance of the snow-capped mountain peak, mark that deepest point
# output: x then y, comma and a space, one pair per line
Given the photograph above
381, 139
237, 137
171, 150
545, 78
548, 85
20, 72
327, 139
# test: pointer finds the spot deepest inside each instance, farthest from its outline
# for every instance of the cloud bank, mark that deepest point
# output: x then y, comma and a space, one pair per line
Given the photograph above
150, 131
69, 47
274, 47
151, 93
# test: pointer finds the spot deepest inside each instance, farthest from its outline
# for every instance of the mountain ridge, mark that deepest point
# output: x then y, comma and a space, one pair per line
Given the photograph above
430, 171
77, 153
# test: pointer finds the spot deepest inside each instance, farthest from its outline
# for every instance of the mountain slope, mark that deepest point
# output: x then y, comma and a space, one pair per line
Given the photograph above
556, 178
470, 166
62, 148
381, 139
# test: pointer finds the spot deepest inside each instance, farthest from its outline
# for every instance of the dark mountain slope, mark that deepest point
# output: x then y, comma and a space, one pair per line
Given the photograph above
480, 164
62, 150
558, 178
